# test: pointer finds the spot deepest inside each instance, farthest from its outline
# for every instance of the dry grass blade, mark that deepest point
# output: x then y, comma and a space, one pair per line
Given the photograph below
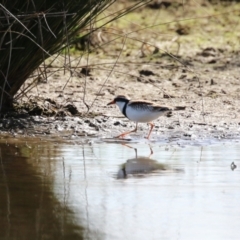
33, 31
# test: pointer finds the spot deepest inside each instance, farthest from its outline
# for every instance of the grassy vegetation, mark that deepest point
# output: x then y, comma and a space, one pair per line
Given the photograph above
192, 24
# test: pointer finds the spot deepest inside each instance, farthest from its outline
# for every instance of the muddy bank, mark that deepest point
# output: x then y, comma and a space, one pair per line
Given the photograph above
210, 104
167, 129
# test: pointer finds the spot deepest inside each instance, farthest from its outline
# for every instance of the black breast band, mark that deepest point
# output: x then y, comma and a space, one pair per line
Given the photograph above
124, 109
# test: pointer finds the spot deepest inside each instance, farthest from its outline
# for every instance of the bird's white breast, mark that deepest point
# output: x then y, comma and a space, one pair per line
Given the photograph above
120, 105
142, 115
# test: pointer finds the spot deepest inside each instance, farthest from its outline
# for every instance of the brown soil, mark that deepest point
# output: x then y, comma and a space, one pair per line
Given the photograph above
202, 76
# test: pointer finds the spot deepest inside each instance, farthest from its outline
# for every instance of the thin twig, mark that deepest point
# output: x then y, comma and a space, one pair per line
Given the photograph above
16, 19
44, 16
124, 41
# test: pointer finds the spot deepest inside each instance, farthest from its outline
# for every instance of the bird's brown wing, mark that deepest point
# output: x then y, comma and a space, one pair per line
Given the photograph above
147, 105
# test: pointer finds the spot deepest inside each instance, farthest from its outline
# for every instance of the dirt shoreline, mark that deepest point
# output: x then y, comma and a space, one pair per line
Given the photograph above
211, 104
186, 125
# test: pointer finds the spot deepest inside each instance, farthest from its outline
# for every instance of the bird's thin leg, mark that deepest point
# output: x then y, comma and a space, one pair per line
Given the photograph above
126, 133
151, 151
151, 128
135, 149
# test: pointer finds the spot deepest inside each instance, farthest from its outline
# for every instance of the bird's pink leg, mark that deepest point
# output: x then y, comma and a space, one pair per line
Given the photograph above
126, 133
151, 128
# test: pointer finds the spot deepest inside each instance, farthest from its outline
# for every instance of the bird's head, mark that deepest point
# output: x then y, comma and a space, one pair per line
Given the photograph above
119, 100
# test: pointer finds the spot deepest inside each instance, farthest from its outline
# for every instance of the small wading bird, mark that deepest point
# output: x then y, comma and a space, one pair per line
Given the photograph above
139, 111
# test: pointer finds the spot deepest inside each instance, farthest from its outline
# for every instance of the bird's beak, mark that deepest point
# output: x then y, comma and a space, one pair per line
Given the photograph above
112, 102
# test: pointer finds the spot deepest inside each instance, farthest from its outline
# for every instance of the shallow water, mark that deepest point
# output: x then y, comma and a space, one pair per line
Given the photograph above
112, 191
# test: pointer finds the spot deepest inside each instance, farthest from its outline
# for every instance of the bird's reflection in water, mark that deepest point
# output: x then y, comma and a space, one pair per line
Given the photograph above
140, 165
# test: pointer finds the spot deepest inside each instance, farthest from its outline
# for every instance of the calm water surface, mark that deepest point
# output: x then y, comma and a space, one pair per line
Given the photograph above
113, 191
